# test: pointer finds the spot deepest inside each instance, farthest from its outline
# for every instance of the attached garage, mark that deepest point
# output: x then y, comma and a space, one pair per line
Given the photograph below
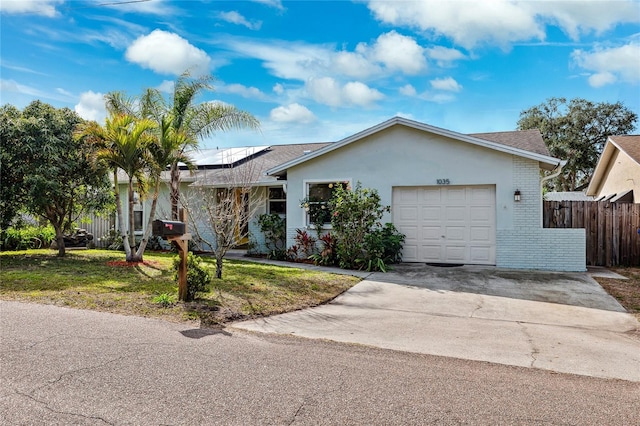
458, 199
447, 224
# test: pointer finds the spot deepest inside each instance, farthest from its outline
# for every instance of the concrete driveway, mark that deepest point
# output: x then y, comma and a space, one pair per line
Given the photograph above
562, 322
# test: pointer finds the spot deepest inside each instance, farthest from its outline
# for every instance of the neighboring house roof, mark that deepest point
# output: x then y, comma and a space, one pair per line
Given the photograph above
629, 144
567, 196
527, 140
519, 143
253, 171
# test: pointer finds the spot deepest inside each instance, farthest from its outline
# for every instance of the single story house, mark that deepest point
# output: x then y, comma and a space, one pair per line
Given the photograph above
458, 198
616, 177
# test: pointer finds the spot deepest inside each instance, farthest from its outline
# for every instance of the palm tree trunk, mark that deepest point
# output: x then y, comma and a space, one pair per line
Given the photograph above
123, 234
152, 214
175, 191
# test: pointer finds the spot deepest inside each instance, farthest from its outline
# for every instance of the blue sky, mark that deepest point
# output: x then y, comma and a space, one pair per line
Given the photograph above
315, 71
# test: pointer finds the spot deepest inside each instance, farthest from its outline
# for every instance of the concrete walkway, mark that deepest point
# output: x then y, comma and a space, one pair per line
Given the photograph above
583, 331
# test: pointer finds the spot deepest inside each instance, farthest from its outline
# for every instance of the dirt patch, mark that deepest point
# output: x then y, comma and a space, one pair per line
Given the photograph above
627, 292
124, 263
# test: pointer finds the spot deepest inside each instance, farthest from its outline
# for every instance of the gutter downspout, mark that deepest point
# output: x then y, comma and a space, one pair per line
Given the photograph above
559, 167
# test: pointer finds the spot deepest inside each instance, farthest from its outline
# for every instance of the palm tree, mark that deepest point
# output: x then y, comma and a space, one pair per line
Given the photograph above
124, 144
191, 120
164, 151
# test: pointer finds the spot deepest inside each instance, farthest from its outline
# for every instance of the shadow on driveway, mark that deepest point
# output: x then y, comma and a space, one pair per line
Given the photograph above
567, 288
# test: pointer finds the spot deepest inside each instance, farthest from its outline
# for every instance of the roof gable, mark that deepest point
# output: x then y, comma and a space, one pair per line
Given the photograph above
487, 140
629, 144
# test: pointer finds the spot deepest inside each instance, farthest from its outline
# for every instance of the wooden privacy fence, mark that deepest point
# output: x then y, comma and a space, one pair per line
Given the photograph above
612, 229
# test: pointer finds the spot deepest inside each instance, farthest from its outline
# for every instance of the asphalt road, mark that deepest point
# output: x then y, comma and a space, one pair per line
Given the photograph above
62, 366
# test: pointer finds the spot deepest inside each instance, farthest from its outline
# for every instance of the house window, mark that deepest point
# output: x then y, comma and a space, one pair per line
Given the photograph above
277, 201
138, 214
137, 221
318, 196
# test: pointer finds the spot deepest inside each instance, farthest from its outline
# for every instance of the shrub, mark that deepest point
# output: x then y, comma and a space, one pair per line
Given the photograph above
274, 229
27, 237
327, 254
165, 300
382, 247
305, 244
198, 275
361, 241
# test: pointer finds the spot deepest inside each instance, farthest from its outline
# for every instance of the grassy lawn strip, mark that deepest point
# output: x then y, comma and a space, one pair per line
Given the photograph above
96, 279
627, 292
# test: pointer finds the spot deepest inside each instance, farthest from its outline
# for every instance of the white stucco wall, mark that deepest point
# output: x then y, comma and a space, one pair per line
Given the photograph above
401, 156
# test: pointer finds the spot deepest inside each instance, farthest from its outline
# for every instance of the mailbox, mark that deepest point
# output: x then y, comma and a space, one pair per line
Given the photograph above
167, 228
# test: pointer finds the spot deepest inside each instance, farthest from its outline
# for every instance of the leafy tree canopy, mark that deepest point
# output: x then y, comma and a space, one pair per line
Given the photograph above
45, 171
576, 131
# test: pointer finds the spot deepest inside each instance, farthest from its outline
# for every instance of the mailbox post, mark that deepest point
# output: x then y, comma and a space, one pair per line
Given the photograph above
177, 232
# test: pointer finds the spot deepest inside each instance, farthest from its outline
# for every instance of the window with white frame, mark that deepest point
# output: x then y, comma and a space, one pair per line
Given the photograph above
316, 202
276, 201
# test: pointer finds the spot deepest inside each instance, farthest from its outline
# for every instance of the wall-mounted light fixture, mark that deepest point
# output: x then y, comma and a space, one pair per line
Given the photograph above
516, 195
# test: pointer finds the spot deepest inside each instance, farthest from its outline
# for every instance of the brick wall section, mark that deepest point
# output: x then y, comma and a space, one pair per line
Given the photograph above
539, 248
528, 245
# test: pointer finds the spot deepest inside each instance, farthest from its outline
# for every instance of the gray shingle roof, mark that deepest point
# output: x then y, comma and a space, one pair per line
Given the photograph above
527, 140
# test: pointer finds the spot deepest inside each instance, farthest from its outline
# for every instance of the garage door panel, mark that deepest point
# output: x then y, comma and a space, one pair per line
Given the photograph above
431, 233
431, 213
431, 253
453, 224
481, 254
455, 233
457, 213
480, 233
408, 213
410, 252
481, 214
430, 196
455, 253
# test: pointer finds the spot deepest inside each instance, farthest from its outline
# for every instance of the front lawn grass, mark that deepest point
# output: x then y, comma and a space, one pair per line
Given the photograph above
100, 280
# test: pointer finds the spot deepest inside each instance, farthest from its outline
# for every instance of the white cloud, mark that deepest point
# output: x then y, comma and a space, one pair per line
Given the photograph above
358, 93
12, 86
501, 22
278, 88
601, 79
467, 23
91, 106
166, 86
610, 64
167, 53
293, 113
234, 17
582, 17
448, 84
390, 53
325, 90
329, 92
242, 90
408, 90
35, 7
398, 52
444, 55
354, 64
271, 3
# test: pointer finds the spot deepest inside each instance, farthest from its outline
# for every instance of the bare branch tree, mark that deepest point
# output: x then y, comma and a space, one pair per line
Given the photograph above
221, 204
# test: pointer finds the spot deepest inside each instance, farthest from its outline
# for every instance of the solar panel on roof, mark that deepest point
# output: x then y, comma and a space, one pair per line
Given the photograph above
224, 156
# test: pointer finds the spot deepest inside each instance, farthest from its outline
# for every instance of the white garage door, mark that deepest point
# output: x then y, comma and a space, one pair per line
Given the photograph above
447, 224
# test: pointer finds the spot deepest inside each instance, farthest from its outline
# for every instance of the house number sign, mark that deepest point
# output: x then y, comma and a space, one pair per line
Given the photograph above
443, 181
